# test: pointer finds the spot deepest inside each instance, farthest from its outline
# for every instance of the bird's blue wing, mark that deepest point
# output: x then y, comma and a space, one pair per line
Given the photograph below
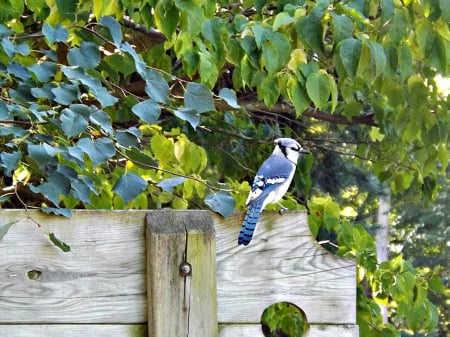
272, 173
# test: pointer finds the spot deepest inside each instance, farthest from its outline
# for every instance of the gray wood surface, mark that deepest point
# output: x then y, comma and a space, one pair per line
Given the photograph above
282, 263
101, 284
181, 305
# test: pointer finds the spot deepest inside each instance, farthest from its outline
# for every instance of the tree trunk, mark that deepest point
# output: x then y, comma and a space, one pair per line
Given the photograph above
382, 235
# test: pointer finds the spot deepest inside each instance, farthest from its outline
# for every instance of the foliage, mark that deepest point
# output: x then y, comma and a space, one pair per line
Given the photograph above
284, 319
149, 104
421, 235
395, 283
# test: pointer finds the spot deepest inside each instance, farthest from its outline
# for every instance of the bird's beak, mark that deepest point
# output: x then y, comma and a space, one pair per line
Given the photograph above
304, 151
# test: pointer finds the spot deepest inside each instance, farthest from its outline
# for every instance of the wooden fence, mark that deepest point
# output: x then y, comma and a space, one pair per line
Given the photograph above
122, 276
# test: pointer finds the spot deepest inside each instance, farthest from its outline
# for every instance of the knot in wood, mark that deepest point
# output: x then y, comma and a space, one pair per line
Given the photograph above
185, 269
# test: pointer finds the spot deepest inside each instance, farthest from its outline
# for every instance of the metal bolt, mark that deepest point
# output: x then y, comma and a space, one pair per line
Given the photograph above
185, 269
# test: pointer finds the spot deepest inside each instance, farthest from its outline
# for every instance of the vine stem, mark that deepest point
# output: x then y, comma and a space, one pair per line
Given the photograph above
153, 167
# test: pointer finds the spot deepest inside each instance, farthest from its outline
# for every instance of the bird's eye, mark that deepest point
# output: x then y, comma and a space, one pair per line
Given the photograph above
295, 148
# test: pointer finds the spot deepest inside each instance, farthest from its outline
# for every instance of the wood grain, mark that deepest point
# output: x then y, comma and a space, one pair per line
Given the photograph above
282, 263
181, 305
74, 330
101, 280
254, 330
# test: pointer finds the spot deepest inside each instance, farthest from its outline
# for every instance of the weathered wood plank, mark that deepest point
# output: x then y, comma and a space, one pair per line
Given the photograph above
181, 305
282, 263
74, 330
101, 280
254, 330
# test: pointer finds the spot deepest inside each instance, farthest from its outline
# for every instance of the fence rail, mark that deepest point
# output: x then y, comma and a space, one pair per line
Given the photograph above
122, 278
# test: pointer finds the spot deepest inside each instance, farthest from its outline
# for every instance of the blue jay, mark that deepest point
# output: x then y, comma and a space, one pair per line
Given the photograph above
271, 183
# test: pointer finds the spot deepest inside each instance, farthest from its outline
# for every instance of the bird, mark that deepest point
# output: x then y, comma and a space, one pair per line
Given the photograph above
271, 183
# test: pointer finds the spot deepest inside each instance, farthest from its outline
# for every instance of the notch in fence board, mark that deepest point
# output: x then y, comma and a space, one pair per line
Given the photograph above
181, 305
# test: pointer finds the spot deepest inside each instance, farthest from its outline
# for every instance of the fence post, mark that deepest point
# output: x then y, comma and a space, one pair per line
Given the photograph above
181, 274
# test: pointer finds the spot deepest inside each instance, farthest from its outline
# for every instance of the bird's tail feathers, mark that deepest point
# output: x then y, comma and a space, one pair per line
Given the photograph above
250, 221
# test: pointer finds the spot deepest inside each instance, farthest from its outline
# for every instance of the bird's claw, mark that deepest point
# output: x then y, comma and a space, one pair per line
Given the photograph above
282, 209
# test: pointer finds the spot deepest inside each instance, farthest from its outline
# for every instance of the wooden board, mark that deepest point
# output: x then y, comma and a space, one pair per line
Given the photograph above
282, 263
74, 330
101, 280
254, 330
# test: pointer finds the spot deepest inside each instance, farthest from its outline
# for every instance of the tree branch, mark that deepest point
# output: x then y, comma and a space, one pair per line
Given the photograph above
255, 106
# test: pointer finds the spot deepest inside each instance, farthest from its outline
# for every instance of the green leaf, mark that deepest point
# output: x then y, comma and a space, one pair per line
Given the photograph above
378, 58
129, 186
282, 19
106, 7
310, 29
102, 119
58, 34
82, 188
43, 71
198, 97
66, 93
99, 150
74, 119
129, 138
342, 27
87, 56
114, 29
298, 96
436, 285
42, 154
148, 110
229, 96
350, 53
167, 17
10, 160
58, 243
141, 159
57, 184
168, 185
269, 90
156, 86
318, 89
221, 202
5, 228
189, 115
94, 85
57, 211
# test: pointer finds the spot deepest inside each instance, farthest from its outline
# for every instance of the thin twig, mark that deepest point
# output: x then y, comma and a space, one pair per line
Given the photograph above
173, 173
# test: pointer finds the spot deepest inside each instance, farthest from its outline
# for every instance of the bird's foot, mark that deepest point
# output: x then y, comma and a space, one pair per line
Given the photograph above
282, 209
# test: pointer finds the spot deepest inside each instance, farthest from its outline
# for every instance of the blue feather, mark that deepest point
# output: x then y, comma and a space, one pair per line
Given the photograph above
250, 221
